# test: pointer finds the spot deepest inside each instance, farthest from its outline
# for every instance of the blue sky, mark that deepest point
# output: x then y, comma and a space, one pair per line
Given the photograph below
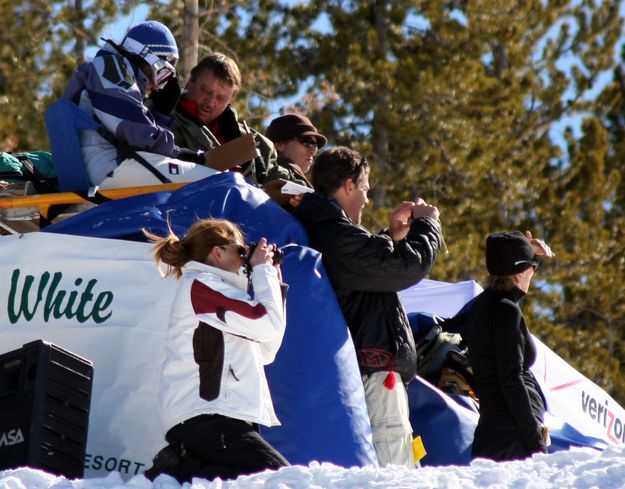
117, 30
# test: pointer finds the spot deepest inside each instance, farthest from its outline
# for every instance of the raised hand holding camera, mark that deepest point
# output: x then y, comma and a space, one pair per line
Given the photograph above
263, 252
406, 213
260, 253
400, 221
423, 209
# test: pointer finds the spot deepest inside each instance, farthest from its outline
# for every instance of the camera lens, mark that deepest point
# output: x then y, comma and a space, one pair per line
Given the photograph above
278, 255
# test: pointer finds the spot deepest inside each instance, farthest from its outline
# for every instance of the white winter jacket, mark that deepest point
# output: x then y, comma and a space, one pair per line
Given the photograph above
217, 343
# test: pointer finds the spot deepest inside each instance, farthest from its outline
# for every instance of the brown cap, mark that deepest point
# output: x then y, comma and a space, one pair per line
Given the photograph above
291, 126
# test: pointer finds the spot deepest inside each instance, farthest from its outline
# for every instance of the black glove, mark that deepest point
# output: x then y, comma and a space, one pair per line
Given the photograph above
192, 156
166, 99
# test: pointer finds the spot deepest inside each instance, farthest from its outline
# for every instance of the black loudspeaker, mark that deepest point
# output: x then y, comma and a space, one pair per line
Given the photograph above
45, 396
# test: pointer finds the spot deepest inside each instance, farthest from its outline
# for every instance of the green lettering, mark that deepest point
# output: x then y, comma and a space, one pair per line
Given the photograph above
71, 300
54, 300
22, 307
101, 303
58, 302
85, 298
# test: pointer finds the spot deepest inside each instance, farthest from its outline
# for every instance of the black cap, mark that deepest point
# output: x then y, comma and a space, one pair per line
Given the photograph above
292, 126
507, 253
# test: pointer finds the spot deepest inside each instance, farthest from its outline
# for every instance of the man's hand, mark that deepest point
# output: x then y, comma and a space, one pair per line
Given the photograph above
400, 221
405, 213
423, 209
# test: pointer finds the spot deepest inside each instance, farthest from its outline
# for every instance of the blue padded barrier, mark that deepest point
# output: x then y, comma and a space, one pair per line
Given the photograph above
64, 121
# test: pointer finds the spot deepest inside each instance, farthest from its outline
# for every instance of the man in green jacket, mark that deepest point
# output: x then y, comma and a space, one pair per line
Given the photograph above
205, 119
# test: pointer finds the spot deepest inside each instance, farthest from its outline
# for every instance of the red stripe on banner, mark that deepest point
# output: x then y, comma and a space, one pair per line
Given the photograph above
564, 386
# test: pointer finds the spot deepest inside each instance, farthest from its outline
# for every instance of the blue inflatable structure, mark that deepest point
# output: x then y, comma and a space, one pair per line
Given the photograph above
315, 382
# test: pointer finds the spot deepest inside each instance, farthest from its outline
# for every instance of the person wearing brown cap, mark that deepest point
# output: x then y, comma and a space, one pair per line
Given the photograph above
297, 141
501, 352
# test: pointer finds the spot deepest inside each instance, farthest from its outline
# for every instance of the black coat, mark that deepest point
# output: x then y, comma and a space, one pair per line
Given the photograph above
367, 271
501, 351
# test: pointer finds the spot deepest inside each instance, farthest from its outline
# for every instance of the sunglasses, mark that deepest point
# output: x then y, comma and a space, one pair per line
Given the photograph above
310, 143
240, 249
531, 263
363, 164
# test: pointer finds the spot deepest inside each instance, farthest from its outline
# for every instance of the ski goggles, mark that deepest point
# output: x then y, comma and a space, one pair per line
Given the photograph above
162, 68
162, 71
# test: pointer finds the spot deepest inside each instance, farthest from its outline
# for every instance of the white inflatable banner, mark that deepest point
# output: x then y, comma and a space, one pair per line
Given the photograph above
105, 301
440, 298
571, 397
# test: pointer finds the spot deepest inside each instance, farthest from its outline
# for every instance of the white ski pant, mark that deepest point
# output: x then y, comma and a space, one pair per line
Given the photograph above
389, 417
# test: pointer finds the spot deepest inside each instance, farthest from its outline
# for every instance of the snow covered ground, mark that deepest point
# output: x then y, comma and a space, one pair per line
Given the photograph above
579, 468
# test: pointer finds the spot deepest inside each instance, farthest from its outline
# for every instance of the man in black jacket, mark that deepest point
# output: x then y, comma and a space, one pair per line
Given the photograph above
367, 271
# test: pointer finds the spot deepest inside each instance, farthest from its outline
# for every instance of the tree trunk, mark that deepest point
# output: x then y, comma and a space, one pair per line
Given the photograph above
79, 47
379, 133
190, 38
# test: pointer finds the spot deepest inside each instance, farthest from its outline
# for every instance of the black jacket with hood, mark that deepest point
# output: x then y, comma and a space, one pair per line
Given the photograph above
367, 271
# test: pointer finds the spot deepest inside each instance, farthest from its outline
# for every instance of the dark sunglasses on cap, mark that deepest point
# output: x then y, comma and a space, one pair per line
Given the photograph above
241, 250
531, 263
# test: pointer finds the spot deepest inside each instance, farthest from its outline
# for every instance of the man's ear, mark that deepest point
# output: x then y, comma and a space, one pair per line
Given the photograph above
348, 186
344, 192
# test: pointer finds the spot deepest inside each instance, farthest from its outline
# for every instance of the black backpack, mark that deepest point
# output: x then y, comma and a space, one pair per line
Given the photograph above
443, 358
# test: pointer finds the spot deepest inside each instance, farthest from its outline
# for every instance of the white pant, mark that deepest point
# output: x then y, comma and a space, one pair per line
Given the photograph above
389, 417
131, 173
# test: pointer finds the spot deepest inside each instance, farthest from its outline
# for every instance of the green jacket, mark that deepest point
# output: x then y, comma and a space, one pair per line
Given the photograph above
189, 134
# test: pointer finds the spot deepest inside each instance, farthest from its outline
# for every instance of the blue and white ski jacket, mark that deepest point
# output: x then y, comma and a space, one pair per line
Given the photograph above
111, 90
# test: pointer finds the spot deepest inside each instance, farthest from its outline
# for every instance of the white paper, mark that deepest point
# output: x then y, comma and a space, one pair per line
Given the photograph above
293, 188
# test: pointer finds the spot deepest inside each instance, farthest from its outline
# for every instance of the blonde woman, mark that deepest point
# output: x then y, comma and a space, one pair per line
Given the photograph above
214, 391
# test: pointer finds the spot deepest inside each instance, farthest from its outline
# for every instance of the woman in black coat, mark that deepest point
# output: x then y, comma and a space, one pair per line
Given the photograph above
501, 351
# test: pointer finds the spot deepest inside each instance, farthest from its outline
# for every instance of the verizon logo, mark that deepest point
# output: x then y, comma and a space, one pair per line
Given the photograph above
11, 437
602, 414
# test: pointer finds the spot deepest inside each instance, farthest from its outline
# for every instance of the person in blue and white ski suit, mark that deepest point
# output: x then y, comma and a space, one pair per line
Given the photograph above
112, 89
